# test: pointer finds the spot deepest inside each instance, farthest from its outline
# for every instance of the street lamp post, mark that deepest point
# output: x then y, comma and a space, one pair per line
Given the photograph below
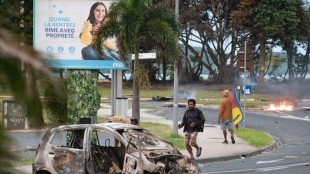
244, 83
175, 84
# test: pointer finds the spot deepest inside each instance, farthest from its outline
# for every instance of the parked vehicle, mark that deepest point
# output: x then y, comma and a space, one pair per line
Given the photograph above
94, 148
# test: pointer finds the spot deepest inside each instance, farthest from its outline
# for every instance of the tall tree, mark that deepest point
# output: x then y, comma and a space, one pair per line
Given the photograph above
302, 60
290, 37
268, 20
135, 22
206, 23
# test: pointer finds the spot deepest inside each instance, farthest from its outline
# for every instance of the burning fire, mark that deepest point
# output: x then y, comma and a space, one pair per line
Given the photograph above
282, 107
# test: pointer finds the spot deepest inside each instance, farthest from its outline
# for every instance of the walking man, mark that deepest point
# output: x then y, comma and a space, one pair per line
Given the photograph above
225, 117
193, 122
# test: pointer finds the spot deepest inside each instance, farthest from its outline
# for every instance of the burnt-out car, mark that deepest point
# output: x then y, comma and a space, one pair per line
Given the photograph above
108, 148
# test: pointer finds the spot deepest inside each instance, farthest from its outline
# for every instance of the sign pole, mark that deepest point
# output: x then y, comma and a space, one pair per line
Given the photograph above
175, 85
244, 83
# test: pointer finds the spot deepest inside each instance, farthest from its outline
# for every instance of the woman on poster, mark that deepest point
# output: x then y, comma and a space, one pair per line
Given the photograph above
97, 17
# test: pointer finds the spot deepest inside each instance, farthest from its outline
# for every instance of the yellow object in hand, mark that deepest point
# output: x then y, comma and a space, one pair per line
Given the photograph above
86, 37
87, 26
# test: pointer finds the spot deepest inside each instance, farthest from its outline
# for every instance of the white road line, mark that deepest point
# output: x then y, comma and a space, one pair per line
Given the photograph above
282, 116
271, 168
272, 161
294, 157
262, 169
231, 171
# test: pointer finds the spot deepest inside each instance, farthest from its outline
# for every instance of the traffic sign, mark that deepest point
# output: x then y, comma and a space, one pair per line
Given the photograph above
249, 60
249, 64
248, 90
144, 56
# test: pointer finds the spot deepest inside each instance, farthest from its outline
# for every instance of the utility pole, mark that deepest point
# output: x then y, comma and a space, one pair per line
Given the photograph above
175, 84
245, 66
244, 83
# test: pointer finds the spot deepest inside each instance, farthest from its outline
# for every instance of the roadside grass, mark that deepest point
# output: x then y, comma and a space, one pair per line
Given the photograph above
164, 132
1, 112
144, 93
22, 162
249, 104
204, 101
197, 94
102, 120
144, 107
254, 103
256, 138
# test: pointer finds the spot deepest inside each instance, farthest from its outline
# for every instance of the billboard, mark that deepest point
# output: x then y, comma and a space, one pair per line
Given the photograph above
64, 31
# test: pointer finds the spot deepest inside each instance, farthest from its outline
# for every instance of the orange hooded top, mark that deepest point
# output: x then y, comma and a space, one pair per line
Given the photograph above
225, 109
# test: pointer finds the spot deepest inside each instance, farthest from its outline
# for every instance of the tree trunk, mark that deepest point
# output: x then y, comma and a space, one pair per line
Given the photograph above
28, 7
164, 67
290, 62
261, 60
135, 89
226, 75
17, 14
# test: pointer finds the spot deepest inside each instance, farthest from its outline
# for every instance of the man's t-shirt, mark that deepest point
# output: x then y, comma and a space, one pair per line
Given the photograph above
195, 116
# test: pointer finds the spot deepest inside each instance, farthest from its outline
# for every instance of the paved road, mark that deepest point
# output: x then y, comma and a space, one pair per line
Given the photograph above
293, 128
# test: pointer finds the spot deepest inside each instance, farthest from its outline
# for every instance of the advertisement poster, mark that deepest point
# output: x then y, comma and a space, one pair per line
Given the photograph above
64, 30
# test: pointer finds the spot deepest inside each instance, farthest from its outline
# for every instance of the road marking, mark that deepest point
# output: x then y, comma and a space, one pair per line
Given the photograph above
272, 161
271, 168
231, 171
261, 169
282, 116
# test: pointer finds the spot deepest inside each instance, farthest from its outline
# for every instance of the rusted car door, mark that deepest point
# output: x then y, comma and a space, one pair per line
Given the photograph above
132, 165
106, 150
65, 151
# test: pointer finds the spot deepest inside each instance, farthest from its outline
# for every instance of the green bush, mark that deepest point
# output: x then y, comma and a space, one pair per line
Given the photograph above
82, 95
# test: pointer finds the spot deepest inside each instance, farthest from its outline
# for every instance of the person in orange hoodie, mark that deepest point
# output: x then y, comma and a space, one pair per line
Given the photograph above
225, 117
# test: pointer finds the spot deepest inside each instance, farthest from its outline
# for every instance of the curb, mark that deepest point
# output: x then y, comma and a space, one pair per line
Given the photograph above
277, 143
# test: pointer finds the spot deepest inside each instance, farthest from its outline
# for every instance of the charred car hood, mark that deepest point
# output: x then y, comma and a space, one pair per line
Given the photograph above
158, 155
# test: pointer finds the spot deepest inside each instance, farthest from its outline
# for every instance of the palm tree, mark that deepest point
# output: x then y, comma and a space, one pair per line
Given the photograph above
135, 23
11, 56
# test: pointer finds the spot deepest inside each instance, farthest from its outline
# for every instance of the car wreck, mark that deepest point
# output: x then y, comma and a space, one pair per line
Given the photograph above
107, 148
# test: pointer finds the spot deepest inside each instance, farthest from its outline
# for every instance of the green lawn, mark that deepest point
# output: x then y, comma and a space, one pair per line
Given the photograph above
22, 162
164, 132
256, 138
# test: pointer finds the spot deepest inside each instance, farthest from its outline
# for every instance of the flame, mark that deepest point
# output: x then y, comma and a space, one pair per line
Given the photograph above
282, 107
